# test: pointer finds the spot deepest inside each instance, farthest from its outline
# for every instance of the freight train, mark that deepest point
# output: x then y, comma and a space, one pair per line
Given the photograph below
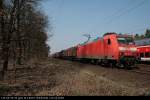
143, 50
113, 49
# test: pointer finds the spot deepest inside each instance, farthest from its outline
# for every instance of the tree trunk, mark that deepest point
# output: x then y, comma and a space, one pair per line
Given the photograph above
2, 32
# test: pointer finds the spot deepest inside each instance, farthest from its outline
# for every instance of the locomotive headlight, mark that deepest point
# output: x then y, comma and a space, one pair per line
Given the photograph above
133, 49
122, 49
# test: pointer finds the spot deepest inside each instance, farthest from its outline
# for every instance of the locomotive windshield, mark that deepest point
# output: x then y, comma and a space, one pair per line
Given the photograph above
125, 40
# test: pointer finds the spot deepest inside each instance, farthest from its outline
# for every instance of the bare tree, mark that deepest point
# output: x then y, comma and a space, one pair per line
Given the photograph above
23, 31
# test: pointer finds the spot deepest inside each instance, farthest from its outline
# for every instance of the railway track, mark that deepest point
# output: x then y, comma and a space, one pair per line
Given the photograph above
141, 71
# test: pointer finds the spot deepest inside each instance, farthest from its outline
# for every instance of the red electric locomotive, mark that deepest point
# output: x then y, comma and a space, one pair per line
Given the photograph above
114, 49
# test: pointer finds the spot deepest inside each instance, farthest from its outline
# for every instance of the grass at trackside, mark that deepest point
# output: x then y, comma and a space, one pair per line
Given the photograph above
4, 89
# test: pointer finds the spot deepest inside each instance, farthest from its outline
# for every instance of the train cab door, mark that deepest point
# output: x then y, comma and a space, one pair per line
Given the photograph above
107, 48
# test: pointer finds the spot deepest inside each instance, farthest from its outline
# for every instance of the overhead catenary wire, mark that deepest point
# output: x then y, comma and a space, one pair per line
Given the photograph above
127, 11
121, 12
116, 12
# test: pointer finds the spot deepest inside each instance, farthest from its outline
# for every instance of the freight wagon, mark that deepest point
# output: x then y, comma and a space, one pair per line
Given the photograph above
70, 53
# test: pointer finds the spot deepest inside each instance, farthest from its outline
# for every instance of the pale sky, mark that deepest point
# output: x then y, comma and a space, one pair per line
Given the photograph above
73, 18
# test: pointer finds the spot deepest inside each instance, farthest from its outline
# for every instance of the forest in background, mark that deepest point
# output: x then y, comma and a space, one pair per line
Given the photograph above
143, 36
23, 33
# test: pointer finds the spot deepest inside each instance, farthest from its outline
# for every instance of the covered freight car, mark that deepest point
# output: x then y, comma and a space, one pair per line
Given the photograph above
70, 53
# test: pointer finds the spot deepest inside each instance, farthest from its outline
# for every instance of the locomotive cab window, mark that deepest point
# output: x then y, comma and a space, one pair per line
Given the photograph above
123, 40
109, 41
